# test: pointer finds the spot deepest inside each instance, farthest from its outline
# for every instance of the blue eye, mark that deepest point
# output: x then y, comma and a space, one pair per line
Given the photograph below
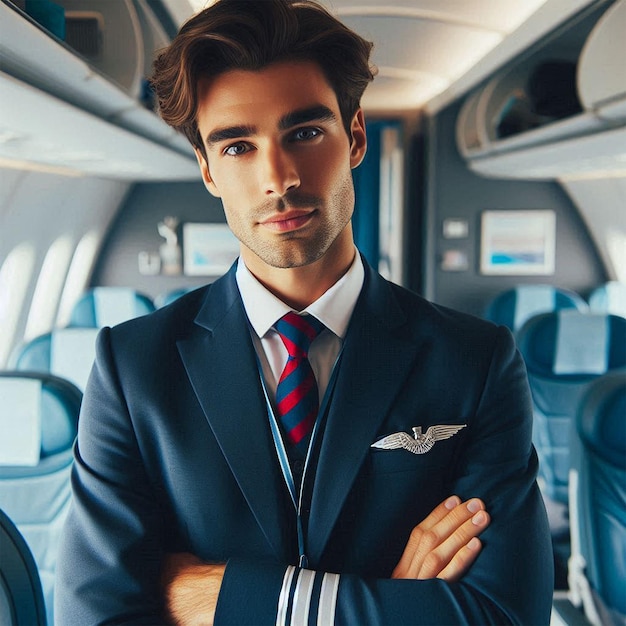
236, 149
304, 134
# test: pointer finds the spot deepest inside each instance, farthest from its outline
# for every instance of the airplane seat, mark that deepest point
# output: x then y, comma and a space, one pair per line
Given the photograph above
564, 352
38, 421
65, 352
513, 307
21, 595
597, 567
167, 297
609, 298
108, 306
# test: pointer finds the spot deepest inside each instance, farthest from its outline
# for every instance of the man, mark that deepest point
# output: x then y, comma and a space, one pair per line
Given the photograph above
205, 491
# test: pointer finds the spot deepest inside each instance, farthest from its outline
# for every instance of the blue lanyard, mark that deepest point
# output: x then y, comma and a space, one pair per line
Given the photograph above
281, 452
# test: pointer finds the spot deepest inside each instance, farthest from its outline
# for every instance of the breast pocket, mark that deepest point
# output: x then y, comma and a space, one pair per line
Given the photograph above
393, 461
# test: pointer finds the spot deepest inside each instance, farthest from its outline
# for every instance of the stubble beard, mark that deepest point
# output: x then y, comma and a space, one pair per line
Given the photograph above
293, 250
296, 248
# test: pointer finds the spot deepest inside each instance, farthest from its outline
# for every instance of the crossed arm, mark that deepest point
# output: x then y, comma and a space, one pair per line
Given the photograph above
111, 553
444, 545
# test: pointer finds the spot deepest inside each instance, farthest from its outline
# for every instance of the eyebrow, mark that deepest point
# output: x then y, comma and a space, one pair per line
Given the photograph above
319, 113
231, 132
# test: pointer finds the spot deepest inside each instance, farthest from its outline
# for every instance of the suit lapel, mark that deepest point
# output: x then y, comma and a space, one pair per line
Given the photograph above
221, 363
375, 361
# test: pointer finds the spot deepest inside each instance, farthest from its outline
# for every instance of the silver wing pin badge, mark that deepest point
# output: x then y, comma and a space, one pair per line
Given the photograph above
419, 443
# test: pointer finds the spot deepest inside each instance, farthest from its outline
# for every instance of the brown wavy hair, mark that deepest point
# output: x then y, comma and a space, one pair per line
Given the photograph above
249, 35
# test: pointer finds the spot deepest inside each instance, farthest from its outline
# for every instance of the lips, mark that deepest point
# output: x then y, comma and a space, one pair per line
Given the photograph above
285, 222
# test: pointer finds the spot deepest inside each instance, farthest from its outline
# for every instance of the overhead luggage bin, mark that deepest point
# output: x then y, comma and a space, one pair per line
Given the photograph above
114, 152
100, 88
601, 72
558, 113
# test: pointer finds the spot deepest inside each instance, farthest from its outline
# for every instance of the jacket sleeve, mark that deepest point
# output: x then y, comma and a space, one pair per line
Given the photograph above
510, 582
114, 539
112, 544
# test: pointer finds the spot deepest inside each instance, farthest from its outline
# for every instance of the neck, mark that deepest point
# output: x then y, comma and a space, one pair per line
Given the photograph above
300, 286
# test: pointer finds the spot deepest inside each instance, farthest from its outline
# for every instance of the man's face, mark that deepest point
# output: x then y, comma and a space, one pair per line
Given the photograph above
280, 160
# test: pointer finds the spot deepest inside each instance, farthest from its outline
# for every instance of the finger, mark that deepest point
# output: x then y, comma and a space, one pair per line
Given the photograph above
455, 519
427, 561
429, 534
462, 561
437, 560
439, 513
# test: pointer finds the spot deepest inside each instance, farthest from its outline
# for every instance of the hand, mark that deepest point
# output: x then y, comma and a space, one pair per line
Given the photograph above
190, 589
445, 544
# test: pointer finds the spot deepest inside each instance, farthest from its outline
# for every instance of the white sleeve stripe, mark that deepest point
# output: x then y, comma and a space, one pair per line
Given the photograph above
328, 600
302, 598
283, 598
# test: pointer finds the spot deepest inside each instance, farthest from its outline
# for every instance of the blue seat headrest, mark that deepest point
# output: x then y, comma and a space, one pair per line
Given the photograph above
108, 306
167, 297
53, 408
514, 307
571, 343
582, 343
609, 298
602, 419
65, 352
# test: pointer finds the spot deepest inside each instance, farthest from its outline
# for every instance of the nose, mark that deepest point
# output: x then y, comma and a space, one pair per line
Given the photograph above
280, 173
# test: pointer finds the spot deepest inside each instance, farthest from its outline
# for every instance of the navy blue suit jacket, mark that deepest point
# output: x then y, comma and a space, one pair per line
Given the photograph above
175, 453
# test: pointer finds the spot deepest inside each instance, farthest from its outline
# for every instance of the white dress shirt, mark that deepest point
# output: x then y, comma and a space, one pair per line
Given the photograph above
333, 308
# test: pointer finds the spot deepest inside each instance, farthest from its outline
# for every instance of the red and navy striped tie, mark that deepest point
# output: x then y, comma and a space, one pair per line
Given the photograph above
297, 397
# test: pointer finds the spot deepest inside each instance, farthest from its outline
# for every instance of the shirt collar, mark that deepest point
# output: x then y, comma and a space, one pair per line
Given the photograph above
333, 308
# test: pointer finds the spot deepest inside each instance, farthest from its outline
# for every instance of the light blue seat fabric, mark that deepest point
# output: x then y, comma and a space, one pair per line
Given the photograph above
564, 352
597, 569
65, 352
513, 307
38, 421
108, 306
609, 298
168, 297
21, 596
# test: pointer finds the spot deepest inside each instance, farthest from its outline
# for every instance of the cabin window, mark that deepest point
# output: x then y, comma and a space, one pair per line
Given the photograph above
15, 276
48, 290
78, 275
616, 248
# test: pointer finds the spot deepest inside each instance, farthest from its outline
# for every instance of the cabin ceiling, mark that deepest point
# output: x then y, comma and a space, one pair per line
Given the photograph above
428, 52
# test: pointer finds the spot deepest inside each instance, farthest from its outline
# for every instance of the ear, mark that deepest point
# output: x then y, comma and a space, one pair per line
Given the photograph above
358, 145
206, 175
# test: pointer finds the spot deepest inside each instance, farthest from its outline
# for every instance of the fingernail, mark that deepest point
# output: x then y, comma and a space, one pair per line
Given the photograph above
473, 543
479, 519
452, 502
473, 506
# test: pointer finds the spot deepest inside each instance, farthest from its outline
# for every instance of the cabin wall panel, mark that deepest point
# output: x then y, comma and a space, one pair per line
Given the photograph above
135, 231
601, 203
454, 191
